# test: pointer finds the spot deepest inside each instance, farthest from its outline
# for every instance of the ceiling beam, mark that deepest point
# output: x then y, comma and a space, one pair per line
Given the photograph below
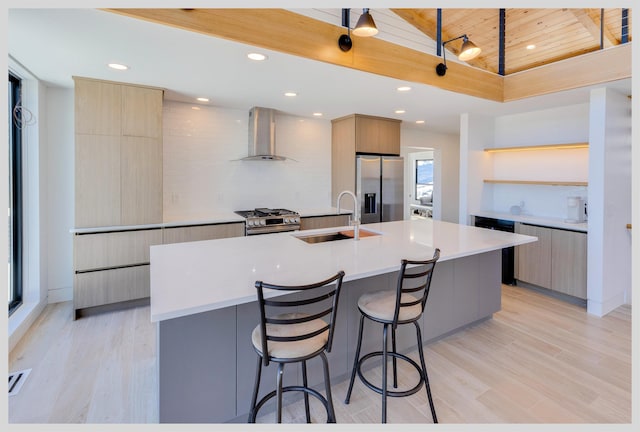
597, 67
298, 35
295, 34
592, 25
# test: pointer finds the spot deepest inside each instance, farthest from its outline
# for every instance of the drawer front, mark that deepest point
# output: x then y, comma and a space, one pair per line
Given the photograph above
110, 286
317, 222
202, 232
105, 250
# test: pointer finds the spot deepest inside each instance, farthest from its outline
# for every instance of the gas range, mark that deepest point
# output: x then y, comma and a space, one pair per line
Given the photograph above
266, 220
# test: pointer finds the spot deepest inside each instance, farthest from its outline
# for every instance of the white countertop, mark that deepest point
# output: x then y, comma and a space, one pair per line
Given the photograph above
534, 220
216, 218
193, 277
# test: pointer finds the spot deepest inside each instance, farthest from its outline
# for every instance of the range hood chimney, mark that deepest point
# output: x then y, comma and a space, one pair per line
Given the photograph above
262, 135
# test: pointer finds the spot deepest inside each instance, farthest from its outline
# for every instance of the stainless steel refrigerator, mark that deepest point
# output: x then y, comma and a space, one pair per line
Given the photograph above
380, 188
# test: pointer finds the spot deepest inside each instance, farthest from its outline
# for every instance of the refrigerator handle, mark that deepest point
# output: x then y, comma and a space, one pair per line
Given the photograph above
369, 203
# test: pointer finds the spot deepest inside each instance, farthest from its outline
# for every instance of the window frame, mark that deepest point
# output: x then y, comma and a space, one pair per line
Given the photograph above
415, 186
16, 222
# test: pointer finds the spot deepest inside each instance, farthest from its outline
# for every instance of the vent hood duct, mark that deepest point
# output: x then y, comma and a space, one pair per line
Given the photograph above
262, 135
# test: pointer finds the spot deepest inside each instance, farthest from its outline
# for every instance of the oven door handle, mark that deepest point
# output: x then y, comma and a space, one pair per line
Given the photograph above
272, 229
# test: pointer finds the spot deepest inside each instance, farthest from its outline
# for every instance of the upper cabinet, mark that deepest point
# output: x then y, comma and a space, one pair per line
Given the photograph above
367, 134
118, 151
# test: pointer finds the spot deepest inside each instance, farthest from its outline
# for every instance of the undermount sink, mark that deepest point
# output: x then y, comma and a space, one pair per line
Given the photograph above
333, 236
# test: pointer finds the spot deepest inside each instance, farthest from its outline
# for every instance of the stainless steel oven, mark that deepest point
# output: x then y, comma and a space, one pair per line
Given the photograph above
266, 220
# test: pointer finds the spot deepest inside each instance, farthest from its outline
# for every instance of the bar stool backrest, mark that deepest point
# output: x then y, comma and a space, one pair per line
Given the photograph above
320, 301
414, 278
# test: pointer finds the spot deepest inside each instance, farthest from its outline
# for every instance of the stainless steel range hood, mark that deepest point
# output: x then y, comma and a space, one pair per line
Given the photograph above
262, 135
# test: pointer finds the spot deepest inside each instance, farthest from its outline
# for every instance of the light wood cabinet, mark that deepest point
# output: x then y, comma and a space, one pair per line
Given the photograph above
569, 262
118, 152
97, 180
534, 259
111, 286
359, 133
317, 222
141, 180
557, 261
113, 267
202, 232
114, 249
141, 112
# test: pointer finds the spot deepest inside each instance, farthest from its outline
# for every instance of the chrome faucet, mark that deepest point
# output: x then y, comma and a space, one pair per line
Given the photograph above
355, 221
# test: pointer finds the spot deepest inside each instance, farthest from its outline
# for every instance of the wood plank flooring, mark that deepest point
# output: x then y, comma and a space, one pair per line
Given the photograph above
538, 360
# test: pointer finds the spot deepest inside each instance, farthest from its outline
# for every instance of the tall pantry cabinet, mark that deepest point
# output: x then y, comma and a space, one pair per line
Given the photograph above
118, 183
118, 154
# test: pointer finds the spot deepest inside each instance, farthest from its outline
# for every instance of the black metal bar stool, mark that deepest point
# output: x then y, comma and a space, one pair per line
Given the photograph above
295, 336
404, 305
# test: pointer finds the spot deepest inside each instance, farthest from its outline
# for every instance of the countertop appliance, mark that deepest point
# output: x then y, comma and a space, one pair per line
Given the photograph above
508, 253
380, 188
576, 210
265, 220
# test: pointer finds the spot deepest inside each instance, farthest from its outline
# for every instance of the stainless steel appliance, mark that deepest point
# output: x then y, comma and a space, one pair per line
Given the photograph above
380, 188
266, 221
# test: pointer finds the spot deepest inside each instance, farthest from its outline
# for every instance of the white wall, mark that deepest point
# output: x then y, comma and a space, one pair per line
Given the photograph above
476, 134
202, 175
609, 241
561, 125
446, 151
59, 193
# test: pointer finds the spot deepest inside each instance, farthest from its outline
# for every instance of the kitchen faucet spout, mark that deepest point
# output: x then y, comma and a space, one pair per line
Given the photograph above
356, 218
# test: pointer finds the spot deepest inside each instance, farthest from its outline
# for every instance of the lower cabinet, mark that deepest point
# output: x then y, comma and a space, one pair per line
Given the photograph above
202, 232
113, 267
102, 287
557, 261
318, 222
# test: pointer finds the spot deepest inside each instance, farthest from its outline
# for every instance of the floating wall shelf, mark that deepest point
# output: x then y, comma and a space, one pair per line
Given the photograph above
539, 147
536, 182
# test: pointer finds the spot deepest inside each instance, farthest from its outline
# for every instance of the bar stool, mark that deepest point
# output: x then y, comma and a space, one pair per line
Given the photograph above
295, 337
404, 305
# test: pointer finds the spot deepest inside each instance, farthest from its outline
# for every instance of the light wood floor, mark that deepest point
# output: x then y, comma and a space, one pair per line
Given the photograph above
538, 360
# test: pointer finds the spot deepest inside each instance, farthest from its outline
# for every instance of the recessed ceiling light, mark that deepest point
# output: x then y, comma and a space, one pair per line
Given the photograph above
317, 114
290, 94
420, 121
404, 88
195, 108
118, 66
202, 99
257, 56
400, 111
531, 46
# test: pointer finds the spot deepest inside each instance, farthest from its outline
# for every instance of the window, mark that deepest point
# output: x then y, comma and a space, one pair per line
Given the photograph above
15, 195
424, 180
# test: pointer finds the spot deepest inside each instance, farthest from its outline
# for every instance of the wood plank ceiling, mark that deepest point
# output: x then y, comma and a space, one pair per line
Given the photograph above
556, 33
572, 35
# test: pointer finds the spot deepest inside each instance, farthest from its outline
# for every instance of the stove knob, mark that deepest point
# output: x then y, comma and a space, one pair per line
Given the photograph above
250, 223
287, 220
263, 222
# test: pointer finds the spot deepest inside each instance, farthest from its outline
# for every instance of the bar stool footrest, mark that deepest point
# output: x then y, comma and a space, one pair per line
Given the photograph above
392, 393
312, 392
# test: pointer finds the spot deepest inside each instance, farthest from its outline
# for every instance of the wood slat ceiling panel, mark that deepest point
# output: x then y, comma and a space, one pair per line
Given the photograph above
557, 33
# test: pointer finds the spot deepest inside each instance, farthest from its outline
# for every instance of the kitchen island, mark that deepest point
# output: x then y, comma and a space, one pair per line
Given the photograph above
204, 300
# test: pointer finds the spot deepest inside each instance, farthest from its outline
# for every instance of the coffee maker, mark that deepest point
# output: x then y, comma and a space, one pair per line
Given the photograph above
575, 210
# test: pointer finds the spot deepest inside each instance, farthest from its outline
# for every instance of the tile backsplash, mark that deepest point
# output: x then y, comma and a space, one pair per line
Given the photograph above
203, 175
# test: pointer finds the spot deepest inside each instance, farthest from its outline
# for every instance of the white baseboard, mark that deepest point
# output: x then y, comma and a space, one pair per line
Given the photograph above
59, 295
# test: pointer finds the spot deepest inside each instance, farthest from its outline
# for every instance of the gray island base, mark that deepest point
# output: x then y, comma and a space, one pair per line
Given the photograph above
207, 364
